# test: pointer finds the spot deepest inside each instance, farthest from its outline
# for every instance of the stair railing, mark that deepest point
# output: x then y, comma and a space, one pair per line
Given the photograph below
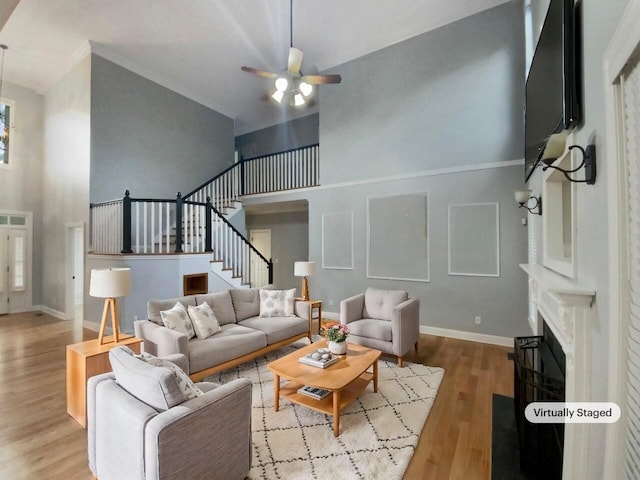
231, 248
195, 223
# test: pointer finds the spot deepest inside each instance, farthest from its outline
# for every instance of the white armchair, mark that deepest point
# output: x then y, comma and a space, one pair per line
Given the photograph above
387, 320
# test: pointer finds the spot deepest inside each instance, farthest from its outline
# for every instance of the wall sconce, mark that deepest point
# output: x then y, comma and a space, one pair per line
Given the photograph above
523, 197
554, 150
588, 162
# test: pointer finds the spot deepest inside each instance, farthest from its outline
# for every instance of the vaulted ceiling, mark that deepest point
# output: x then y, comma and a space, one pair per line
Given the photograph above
196, 47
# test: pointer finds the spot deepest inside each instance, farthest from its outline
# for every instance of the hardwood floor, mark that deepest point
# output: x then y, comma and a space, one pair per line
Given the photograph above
39, 440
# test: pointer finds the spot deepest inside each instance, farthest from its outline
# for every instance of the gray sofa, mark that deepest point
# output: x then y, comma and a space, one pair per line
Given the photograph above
141, 425
244, 336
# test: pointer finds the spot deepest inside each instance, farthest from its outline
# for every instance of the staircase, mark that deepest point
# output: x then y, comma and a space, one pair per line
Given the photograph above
199, 221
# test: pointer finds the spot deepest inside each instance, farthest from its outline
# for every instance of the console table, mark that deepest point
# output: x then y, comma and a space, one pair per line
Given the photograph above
84, 360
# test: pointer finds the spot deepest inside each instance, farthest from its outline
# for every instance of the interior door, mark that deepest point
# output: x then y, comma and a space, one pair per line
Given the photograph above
14, 293
261, 240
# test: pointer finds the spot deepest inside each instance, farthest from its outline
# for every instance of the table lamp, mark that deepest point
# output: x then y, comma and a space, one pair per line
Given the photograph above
304, 269
110, 283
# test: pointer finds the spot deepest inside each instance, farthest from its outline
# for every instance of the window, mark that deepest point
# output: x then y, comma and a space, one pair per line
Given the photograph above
19, 261
7, 111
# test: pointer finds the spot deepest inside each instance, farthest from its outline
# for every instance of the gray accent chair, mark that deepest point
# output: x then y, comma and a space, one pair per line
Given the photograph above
140, 426
387, 320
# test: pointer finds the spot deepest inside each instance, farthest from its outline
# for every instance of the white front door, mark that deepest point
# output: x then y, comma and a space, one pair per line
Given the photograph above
261, 240
14, 289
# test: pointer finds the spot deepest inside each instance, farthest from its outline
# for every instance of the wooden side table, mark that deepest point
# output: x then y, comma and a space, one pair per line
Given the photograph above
315, 305
84, 360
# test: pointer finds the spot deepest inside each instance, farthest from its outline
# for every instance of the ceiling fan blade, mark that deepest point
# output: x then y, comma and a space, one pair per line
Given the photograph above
295, 60
321, 79
260, 73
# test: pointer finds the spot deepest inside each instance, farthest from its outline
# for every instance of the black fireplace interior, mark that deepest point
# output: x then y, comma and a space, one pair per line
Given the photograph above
539, 373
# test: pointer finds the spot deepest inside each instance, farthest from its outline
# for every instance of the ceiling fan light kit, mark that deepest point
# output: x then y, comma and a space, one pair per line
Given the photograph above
293, 85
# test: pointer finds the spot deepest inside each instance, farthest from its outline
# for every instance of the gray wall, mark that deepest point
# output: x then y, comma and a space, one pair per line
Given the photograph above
289, 243
21, 185
150, 140
450, 98
293, 134
449, 302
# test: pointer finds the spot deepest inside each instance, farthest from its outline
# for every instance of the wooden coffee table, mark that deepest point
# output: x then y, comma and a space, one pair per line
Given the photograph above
346, 379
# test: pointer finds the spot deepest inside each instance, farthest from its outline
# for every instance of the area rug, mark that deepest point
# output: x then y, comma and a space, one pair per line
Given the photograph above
378, 431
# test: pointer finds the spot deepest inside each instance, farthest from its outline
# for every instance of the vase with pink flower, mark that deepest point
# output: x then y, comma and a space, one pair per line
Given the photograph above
337, 339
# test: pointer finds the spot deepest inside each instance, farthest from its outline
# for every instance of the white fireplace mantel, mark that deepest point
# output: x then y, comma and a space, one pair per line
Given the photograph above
565, 306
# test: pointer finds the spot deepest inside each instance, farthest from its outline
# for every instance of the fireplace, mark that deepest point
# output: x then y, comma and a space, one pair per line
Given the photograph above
539, 376
562, 321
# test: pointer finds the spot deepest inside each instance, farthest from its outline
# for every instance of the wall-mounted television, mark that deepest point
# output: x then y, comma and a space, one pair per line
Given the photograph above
553, 94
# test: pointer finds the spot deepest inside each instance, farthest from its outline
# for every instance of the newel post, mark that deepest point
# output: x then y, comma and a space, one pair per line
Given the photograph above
270, 269
207, 226
126, 223
179, 223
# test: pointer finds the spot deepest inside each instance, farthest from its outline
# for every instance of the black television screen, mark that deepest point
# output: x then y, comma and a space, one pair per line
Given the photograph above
552, 100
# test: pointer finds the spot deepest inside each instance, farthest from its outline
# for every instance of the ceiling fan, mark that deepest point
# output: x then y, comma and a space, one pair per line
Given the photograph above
292, 84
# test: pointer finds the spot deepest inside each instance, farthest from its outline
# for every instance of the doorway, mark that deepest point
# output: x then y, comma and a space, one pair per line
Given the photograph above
15, 263
261, 240
74, 284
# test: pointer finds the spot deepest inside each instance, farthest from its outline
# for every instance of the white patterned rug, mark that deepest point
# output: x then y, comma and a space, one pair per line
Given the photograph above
378, 431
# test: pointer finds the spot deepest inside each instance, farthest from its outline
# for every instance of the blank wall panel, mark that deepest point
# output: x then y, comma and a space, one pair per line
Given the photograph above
337, 240
474, 240
398, 238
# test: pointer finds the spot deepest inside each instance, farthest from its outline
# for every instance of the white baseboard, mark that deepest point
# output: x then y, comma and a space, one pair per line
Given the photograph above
445, 332
91, 325
51, 311
472, 337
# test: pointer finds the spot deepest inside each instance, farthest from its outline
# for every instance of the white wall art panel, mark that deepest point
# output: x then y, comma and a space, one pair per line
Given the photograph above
474, 239
398, 237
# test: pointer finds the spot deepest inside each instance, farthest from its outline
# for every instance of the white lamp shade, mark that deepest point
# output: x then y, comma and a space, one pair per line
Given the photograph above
522, 196
110, 282
304, 269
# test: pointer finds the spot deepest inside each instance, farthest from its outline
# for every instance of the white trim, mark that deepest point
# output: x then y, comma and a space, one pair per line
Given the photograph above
624, 42
449, 272
469, 336
51, 311
428, 233
446, 332
404, 176
89, 325
326, 267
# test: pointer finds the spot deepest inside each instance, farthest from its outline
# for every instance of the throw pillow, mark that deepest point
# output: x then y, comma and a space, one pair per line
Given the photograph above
178, 319
204, 320
187, 387
277, 303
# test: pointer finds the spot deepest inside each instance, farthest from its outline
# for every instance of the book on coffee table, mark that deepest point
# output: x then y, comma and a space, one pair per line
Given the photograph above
321, 358
313, 392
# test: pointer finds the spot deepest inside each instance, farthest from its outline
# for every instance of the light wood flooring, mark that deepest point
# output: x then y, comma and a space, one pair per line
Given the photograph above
39, 440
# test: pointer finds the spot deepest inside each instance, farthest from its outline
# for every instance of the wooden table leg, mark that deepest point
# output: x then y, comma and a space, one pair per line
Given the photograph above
276, 392
375, 376
336, 413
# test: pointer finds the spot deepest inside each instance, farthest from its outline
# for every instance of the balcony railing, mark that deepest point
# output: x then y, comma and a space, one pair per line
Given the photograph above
196, 223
